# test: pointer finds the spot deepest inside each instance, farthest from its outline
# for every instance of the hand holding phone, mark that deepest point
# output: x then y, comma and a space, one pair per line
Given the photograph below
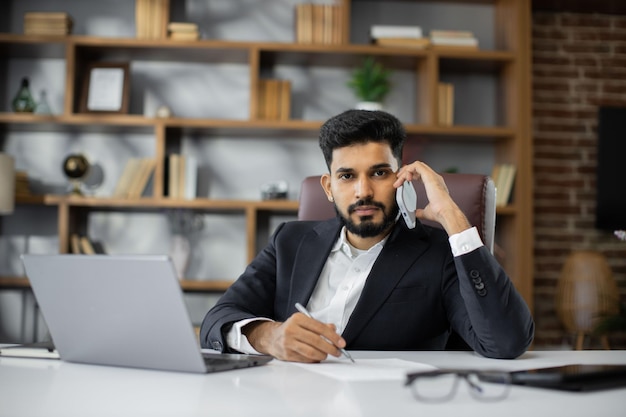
406, 197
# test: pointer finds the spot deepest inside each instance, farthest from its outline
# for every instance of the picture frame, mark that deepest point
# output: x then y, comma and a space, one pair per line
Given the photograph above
106, 88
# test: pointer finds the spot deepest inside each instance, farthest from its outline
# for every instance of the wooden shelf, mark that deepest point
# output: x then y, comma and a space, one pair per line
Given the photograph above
155, 203
14, 282
33, 199
187, 285
90, 122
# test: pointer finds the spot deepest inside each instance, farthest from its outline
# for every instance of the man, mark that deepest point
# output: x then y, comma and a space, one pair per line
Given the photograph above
369, 282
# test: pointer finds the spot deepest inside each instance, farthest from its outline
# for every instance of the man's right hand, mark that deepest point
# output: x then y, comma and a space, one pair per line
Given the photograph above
299, 339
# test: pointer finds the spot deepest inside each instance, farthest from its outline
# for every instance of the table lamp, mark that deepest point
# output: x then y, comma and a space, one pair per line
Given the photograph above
7, 184
586, 292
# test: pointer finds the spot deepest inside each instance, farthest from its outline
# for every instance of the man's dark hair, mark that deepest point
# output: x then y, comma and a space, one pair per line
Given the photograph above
354, 127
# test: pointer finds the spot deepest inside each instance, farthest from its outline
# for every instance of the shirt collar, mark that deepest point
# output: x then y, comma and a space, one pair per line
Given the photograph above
342, 243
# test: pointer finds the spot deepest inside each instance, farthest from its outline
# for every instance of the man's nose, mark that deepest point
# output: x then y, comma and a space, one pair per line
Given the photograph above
363, 188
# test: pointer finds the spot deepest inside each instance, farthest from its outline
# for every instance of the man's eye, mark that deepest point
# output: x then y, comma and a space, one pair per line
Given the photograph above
380, 173
345, 176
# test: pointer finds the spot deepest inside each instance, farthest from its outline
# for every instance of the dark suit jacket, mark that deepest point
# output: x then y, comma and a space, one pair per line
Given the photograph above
416, 293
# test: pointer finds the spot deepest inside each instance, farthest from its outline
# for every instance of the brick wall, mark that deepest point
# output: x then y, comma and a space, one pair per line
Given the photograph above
579, 63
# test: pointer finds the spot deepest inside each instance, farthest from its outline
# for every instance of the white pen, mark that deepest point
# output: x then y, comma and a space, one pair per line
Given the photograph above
304, 311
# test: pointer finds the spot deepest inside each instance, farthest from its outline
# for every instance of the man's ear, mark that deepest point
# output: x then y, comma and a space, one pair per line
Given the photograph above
325, 182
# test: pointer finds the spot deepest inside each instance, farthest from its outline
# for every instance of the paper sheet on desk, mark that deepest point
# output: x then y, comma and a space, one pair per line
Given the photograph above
366, 369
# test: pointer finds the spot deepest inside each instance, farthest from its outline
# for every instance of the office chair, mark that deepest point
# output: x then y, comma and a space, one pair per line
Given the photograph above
474, 194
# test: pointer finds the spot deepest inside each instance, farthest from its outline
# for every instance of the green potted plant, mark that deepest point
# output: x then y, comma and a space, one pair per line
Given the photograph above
370, 84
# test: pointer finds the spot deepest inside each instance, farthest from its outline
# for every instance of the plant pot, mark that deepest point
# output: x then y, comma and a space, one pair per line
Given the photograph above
368, 105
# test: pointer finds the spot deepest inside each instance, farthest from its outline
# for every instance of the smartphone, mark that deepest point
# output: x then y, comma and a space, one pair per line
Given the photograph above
406, 197
576, 377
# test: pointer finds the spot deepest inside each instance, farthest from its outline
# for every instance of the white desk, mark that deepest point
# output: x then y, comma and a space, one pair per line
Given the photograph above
37, 387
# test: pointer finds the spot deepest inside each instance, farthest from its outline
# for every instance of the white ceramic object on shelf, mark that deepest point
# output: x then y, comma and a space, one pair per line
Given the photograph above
368, 105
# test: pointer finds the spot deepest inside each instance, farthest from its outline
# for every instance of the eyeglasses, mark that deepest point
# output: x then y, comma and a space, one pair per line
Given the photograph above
441, 385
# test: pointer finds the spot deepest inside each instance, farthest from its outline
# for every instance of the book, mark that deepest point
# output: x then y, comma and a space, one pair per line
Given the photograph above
191, 177
418, 43
260, 100
141, 178
47, 16
273, 99
127, 178
507, 184
86, 246
451, 34
75, 244
304, 23
445, 104
47, 23
503, 176
151, 18
184, 36
173, 176
284, 112
395, 31
182, 170
318, 23
182, 27
458, 42
182, 176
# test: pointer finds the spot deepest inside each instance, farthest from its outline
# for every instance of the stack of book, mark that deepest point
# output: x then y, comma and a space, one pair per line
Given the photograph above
398, 36
503, 176
453, 39
181, 176
83, 245
134, 178
319, 23
445, 104
151, 17
183, 31
47, 23
22, 185
274, 100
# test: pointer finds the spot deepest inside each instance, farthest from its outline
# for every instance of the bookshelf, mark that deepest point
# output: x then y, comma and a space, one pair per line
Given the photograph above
501, 64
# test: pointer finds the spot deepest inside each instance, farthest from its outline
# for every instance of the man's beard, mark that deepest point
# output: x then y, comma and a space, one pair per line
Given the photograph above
367, 228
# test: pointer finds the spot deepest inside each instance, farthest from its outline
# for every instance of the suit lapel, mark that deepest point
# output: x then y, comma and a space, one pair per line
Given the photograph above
309, 261
399, 253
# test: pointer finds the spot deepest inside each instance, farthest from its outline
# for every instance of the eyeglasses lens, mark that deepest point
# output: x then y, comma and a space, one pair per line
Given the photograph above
489, 386
435, 388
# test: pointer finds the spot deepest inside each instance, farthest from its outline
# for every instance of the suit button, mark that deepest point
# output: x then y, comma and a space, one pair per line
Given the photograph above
216, 345
482, 292
479, 286
474, 274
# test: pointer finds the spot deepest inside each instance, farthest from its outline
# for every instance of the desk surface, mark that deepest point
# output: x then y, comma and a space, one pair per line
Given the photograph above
38, 387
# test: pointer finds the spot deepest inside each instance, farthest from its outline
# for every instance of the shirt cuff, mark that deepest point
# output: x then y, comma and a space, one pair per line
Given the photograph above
465, 241
236, 340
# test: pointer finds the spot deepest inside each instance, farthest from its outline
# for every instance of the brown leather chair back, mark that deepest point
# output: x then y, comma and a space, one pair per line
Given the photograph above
474, 194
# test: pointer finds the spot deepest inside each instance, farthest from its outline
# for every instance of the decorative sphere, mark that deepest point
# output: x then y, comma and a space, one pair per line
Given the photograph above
75, 166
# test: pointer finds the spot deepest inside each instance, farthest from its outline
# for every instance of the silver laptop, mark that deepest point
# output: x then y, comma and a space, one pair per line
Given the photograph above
121, 311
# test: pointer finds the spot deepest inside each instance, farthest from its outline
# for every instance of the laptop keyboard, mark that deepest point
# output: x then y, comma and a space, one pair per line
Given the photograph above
215, 361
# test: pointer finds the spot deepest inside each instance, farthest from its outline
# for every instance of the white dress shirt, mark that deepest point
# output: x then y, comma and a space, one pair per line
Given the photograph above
341, 282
